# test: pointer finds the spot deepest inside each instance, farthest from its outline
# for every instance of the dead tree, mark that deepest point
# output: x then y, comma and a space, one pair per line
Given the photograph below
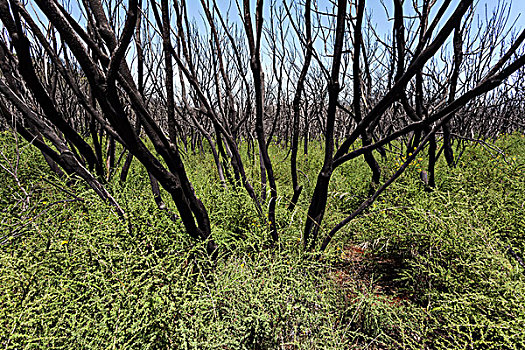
430, 122
111, 82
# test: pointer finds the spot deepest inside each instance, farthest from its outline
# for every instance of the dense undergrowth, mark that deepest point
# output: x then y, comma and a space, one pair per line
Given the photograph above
417, 270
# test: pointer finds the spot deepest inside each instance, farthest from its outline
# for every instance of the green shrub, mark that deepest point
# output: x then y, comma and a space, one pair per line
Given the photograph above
417, 270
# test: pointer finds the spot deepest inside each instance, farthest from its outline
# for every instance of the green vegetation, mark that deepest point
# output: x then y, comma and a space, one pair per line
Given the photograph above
436, 270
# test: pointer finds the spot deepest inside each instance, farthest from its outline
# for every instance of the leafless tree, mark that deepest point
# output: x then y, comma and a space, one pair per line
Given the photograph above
76, 88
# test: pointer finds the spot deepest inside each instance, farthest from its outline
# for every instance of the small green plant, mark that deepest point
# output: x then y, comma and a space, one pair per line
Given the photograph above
435, 270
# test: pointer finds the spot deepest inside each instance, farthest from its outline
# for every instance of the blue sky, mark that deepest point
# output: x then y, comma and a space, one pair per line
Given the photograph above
374, 7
